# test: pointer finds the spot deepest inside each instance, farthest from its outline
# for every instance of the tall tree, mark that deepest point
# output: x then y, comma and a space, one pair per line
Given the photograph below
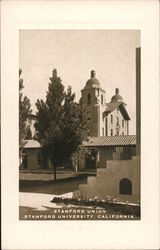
60, 122
24, 114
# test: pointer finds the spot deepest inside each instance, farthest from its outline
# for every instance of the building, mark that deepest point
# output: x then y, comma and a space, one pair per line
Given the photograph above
108, 132
110, 149
100, 150
120, 178
104, 119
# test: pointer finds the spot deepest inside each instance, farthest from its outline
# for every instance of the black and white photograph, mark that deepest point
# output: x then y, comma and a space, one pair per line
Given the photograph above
79, 124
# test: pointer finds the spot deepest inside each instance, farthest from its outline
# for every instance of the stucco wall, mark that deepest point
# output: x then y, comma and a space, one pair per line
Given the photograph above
106, 153
107, 181
33, 155
102, 108
112, 126
32, 158
34, 164
93, 115
94, 110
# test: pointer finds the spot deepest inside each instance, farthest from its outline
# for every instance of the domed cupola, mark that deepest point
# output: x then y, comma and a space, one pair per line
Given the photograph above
92, 82
117, 97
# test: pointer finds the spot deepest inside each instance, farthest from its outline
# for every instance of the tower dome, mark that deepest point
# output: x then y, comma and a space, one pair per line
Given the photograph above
93, 81
116, 97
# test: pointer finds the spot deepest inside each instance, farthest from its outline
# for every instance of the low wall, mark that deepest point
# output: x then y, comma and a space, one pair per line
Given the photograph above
106, 183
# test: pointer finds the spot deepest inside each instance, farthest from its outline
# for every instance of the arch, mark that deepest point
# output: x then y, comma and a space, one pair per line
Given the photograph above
125, 186
90, 159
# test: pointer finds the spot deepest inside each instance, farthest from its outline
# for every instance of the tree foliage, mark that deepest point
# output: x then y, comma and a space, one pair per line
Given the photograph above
24, 114
60, 122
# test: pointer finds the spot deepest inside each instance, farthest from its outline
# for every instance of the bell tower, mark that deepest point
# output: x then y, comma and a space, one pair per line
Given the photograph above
93, 101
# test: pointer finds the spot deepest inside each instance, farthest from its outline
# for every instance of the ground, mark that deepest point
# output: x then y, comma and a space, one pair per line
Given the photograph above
60, 186
36, 196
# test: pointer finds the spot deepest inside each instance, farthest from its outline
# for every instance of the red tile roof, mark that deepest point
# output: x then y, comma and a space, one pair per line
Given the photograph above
122, 140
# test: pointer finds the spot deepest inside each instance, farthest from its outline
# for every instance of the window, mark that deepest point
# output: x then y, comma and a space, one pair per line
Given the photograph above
102, 131
111, 118
122, 123
102, 99
111, 132
117, 120
122, 133
117, 132
89, 99
125, 186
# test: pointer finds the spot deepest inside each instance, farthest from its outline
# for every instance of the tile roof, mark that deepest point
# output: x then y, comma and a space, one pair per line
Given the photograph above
32, 144
122, 140
113, 105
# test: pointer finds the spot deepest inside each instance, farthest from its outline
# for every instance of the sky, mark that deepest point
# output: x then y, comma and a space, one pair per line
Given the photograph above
74, 53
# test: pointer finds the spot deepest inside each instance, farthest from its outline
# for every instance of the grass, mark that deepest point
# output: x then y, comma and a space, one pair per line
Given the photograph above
52, 187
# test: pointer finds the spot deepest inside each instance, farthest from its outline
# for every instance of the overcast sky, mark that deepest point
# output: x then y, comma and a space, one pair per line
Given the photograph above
74, 53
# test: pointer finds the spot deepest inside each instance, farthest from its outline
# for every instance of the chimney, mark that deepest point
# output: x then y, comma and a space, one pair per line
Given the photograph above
93, 73
117, 91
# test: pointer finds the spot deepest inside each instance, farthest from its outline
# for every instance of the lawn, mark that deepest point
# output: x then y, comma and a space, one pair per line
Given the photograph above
52, 187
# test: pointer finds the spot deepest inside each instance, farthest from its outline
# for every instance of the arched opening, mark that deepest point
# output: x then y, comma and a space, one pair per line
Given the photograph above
90, 159
125, 186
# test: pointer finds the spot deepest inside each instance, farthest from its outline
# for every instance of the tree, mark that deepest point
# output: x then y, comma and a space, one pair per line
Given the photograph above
24, 114
60, 123
78, 156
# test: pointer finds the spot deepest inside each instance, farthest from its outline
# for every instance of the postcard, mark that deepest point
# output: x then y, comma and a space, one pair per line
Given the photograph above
80, 123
